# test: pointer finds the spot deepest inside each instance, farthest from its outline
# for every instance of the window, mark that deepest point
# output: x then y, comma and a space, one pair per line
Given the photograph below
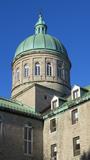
17, 74
63, 74
45, 97
75, 94
76, 146
1, 127
53, 125
26, 70
49, 69
59, 68
37, 69
54, 152
42, 29
28, 139
59, 72
66, 76
54, 104
38, 30
74, 115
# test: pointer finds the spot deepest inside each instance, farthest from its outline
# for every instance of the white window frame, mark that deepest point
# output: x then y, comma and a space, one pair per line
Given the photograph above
26, 70
55, 151
55, 99
27, 140
37, 68
54, 104
49, 69
75, 94
17, 74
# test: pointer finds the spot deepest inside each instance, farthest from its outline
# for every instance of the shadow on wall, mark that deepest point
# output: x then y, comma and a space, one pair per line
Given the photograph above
85, 156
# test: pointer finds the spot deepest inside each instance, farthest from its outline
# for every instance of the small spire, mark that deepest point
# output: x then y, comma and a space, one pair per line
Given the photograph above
40, 18
40, 26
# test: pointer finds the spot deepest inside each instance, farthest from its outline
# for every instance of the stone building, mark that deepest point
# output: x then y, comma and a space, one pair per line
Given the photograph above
45, 119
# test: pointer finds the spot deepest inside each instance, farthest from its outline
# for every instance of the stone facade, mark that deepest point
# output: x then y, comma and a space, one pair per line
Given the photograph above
52, 82
12, 137
41, 97
31, 126
12, 131
65, 132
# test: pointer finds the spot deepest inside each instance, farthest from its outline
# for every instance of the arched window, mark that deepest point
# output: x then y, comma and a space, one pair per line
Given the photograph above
17, 75
26, 70
59, 72
49, 69
28, 139
42, 29
37, 68
38, 30
66, 75
13, 76
59, 69
63, 74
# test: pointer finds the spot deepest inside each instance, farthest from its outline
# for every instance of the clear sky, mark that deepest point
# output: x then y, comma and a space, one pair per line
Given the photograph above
68, 20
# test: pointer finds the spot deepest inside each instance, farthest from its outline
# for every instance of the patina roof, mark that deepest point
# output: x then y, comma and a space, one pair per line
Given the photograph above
40, 41
67, 105
18, 107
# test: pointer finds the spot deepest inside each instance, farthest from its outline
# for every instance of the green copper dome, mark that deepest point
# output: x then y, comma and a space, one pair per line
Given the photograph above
40, 41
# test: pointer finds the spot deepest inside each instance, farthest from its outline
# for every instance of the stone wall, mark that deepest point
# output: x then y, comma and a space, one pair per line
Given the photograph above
12, 137
65, 132
52, 81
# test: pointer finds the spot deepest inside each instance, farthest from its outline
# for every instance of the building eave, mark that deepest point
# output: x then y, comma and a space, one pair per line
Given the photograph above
67, 105
16, 108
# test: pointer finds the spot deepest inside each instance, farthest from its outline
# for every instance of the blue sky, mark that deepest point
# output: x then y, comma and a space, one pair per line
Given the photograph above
68, 20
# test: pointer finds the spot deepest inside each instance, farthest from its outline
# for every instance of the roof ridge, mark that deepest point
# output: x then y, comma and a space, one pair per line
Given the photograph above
68, 104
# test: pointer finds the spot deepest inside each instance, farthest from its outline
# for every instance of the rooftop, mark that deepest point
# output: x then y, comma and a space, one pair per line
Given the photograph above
18, 107
69, 104
40, 40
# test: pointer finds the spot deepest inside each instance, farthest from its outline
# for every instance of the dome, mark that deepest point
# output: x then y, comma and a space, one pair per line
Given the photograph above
40, 41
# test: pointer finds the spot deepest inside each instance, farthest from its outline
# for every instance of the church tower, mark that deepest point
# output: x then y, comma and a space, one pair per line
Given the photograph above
40, 60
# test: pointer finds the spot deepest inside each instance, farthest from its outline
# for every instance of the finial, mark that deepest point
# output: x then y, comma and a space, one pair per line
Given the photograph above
40, 13
40, 26
40, 17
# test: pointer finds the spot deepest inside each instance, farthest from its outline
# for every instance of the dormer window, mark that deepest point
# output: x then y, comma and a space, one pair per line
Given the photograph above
54, 104
75, 94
